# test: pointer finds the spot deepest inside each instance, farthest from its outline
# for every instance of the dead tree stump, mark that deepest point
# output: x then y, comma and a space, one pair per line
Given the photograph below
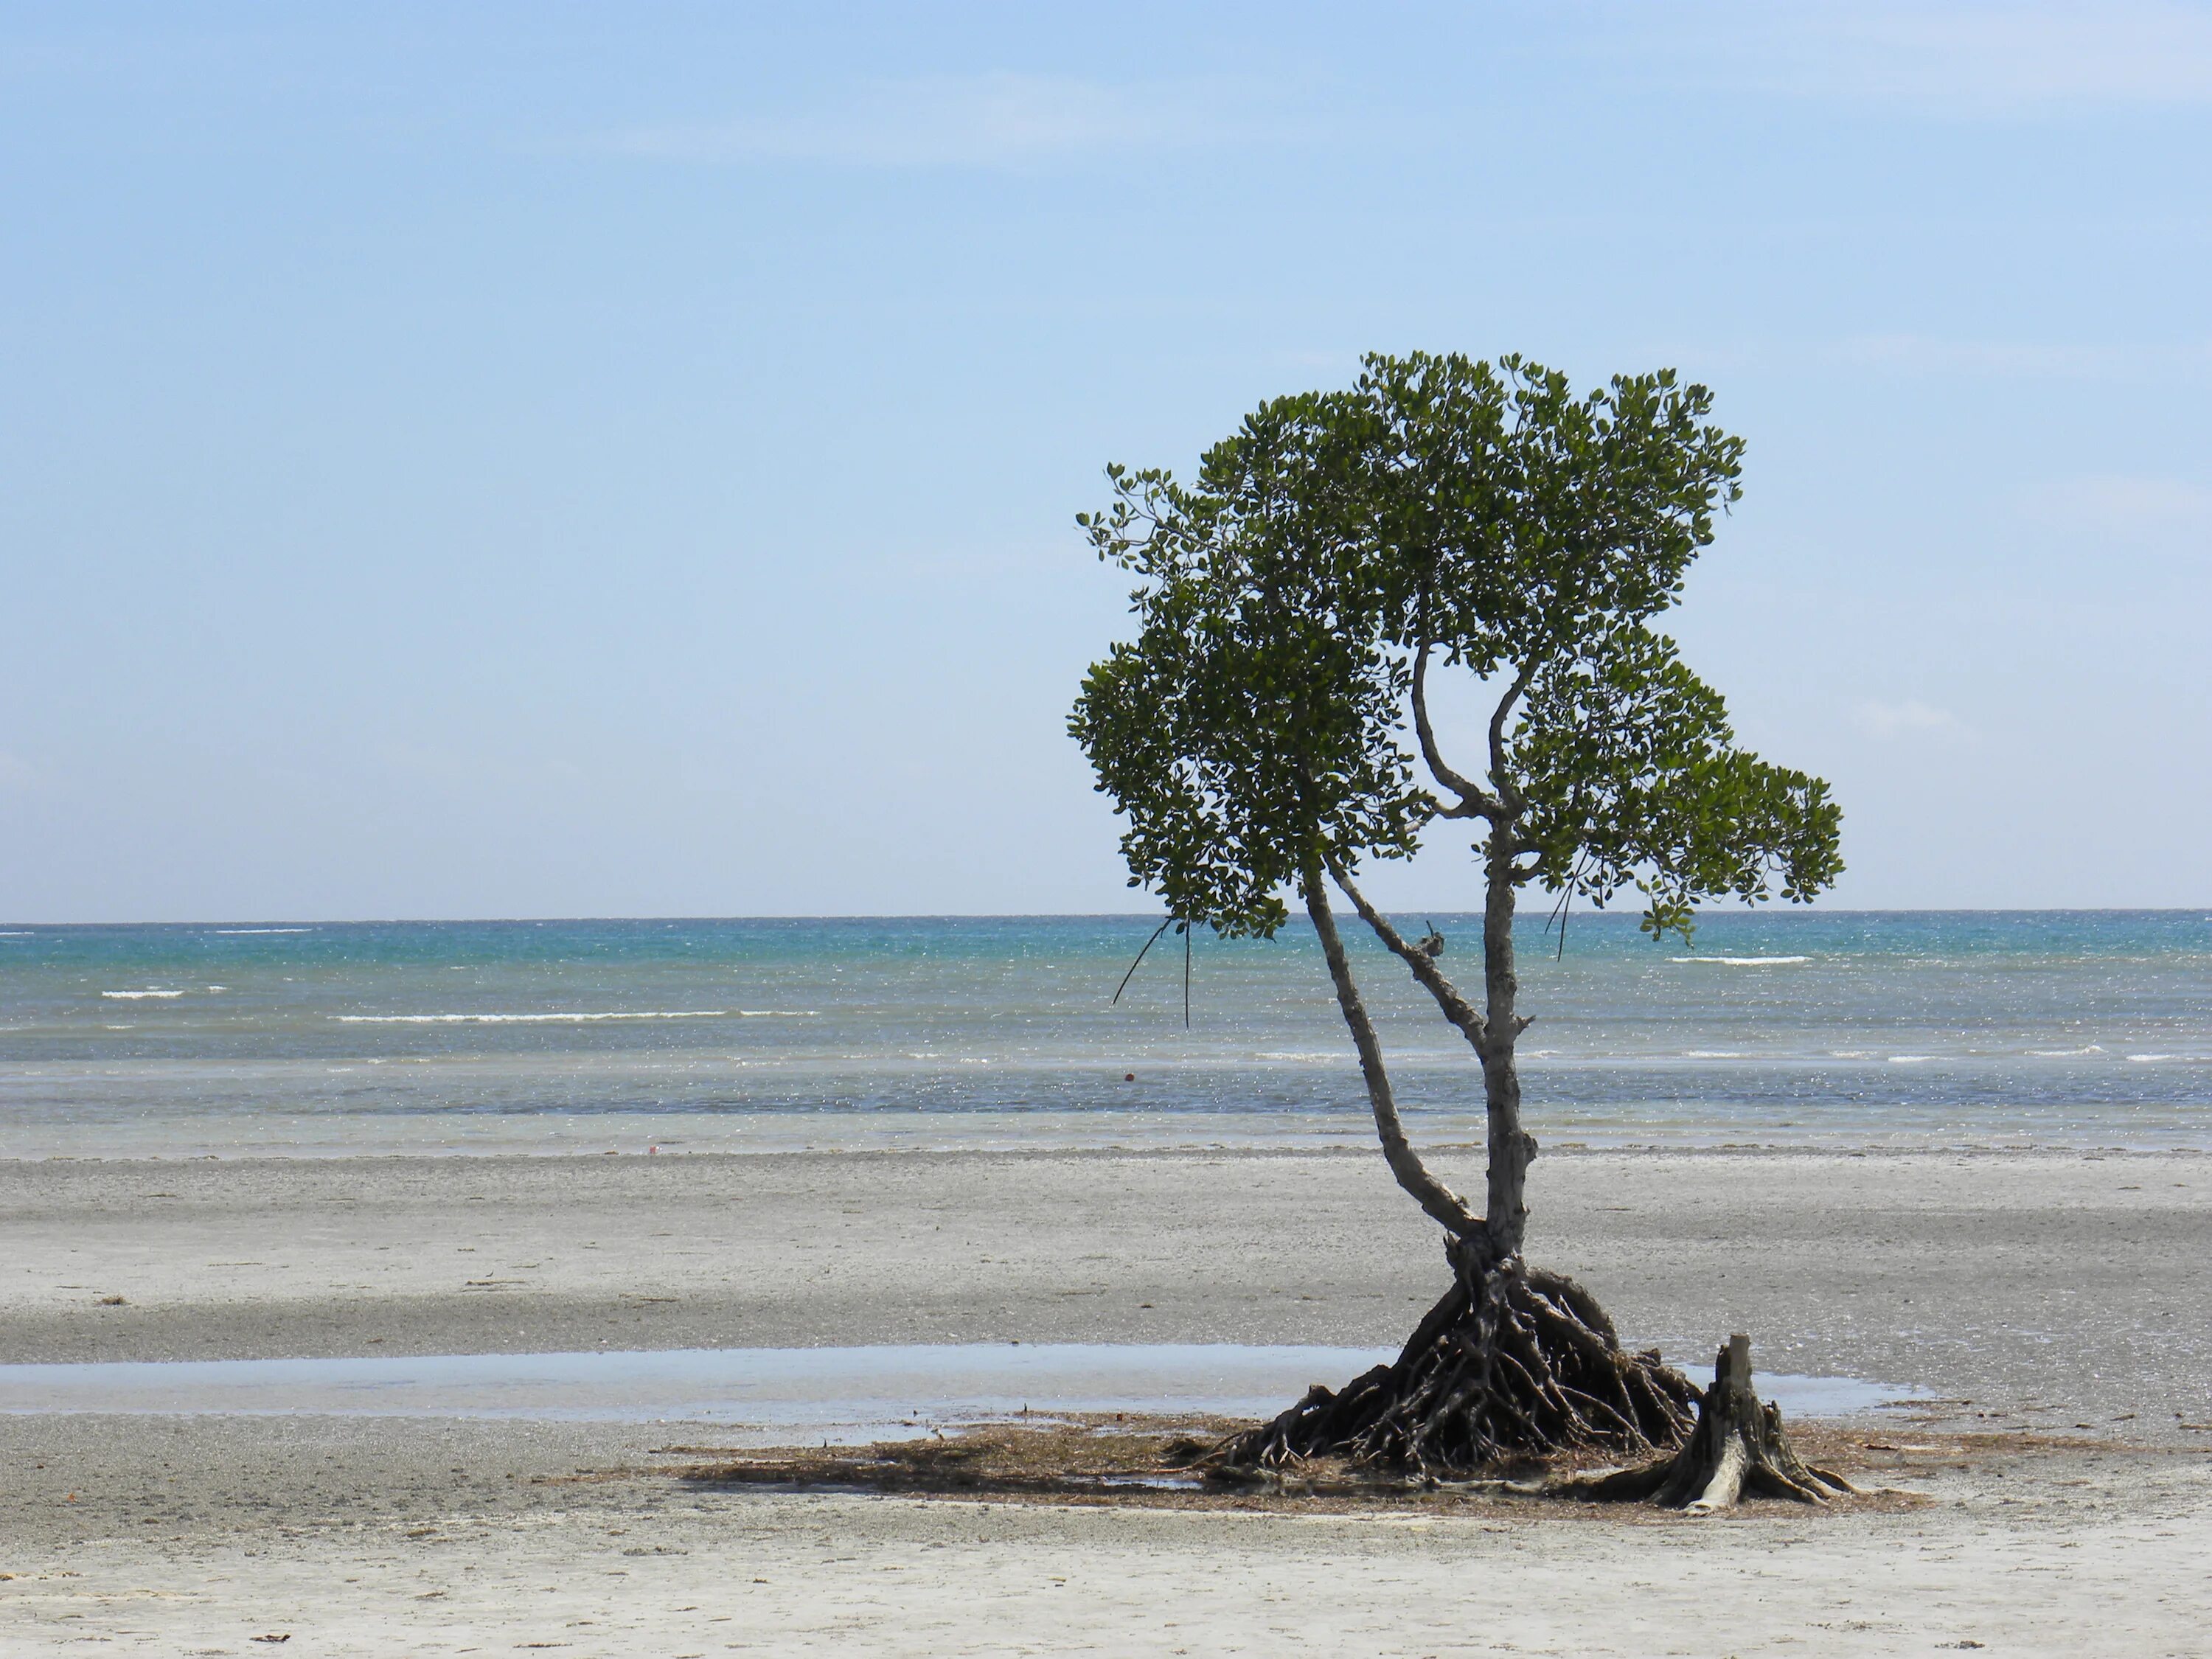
1737, 1448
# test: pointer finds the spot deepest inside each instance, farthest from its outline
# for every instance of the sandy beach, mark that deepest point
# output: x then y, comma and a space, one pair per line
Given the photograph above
815, 822
2053, 1297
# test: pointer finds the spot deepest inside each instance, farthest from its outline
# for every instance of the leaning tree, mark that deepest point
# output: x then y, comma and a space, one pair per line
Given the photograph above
1269, 732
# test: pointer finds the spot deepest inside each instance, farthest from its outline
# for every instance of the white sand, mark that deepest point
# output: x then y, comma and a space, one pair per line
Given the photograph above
365, 1542
2048, 1290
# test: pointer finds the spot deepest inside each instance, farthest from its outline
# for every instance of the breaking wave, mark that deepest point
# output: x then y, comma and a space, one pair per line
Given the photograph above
1741, 962
529, 1019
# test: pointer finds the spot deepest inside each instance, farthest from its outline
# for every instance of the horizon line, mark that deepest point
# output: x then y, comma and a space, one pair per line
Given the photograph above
1798, 912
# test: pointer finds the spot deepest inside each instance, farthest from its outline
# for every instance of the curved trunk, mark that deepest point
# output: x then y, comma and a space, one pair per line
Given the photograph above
1510, 1149
1444, 1206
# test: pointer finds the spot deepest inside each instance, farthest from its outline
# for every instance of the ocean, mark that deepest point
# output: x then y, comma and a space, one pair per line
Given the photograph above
1811, 1029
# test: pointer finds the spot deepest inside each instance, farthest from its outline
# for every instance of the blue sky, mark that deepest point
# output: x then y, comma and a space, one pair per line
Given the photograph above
620, 460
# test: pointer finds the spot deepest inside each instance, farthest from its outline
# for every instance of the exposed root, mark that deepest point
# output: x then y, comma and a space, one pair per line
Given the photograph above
1513, 1362
1738, 1447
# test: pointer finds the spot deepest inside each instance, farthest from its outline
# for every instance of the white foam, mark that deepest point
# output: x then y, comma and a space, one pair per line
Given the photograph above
132, 996
527, 1019
1909, 1060
1714, 1053
2065, 1053
2152, 1057
779, 1014
234, 931
1741, 962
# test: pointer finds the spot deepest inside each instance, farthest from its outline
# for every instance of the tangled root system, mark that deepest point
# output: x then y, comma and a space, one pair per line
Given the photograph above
1513, 1363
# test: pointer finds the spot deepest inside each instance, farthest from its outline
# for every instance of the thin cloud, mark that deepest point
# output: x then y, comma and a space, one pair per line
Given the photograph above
1930, 354
1970, 60
1996, 57
987, 121
2129, 507
1890, 721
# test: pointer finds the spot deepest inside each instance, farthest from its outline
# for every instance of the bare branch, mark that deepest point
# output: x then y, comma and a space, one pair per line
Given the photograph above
1507, 793
1456, 1008
1474, 801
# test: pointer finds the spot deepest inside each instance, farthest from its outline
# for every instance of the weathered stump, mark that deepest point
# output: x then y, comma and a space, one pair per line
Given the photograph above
1737, 1448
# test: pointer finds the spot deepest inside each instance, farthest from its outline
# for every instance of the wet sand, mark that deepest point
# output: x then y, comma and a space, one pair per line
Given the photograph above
2049, 1291
2065, 1281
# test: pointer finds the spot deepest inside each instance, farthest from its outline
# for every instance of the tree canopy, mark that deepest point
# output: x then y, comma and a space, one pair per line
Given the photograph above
1266, 723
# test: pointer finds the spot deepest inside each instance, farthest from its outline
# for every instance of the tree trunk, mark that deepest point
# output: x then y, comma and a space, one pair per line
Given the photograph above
1512, 1362
1510, 1149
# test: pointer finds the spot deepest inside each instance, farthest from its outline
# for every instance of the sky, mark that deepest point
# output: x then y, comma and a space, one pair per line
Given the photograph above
562, 459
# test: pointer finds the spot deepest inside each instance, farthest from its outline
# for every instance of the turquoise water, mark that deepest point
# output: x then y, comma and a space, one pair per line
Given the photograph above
2066, 1029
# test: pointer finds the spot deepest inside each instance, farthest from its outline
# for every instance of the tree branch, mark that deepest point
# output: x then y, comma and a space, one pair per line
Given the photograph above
1443, 1205
1507, 793
1474, 799
1456, 1008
